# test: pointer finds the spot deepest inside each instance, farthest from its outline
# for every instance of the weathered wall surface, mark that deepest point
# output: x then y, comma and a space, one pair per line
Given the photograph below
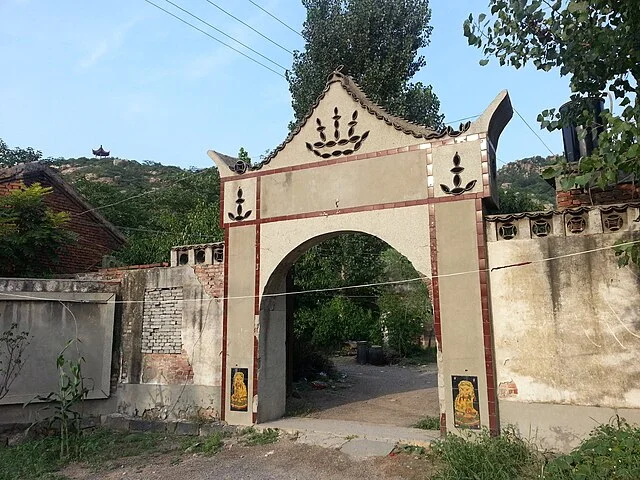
160, 344
172, 335
51, 326
567, 331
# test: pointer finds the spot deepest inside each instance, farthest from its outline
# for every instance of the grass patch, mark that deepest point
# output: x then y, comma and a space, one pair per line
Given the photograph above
612, 451
428, 423
483, 457
252, 437
207, 446
37, 459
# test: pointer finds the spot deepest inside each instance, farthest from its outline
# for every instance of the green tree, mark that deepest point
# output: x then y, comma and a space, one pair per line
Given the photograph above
405, 308
377, 43
13, 156
513, 201
325, 319
31, 234
594, 43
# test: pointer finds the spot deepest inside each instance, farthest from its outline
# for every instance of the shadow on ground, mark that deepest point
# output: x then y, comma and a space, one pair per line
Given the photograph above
387, 395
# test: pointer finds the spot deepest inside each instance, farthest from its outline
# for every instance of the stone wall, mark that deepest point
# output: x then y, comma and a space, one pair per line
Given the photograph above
565, 321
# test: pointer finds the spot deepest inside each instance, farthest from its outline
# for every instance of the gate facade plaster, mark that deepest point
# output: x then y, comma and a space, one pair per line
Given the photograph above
351, 167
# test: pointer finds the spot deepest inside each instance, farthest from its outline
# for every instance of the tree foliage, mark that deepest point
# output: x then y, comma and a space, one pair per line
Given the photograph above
326, 319
31, 234
184, 210
377, 43
13, 156
594, 43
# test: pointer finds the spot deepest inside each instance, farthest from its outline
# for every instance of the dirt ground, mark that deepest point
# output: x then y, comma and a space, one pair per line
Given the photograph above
387, 395
284, 460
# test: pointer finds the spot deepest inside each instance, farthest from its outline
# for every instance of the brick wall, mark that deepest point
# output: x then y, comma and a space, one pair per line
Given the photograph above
212, 278
621, 193
166, 369
162, 320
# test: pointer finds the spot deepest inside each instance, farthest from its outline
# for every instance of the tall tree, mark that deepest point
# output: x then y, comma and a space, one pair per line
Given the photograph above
31, 234
377, 43
596, 44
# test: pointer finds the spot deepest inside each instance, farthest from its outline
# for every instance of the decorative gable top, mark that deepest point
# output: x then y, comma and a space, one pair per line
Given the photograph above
337, 133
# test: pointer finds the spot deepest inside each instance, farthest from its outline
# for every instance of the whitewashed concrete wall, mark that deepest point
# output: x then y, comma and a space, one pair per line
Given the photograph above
566, 325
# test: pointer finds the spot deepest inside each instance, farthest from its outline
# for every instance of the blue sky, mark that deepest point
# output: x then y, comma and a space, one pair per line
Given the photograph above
77, 74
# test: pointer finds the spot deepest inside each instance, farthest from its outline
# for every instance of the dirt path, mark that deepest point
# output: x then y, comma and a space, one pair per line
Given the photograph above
284, 460
387, 395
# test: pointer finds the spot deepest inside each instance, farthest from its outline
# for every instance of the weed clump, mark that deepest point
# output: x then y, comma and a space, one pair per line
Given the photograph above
254, 437
484, 457
428, 423
612, 451
208, 446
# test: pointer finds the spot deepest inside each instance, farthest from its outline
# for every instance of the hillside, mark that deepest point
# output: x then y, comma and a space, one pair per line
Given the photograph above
155, 206
523, 176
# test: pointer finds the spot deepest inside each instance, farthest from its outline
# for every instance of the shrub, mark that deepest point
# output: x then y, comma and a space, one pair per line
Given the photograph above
612, 451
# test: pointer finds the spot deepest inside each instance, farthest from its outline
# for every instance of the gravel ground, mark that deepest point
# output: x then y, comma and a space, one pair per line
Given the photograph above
387, 395
284, 460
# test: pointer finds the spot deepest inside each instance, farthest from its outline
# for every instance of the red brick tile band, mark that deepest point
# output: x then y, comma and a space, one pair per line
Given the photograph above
486, 322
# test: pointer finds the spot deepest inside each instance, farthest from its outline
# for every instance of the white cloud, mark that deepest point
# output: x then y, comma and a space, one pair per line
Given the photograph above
106, 45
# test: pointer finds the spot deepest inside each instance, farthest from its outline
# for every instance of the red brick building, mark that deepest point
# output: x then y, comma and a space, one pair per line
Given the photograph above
96, 236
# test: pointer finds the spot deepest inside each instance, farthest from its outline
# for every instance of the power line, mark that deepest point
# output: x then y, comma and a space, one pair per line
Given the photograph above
249, 26
214, 38
276, 18
349, 287
461, 119
225, 34
534, 132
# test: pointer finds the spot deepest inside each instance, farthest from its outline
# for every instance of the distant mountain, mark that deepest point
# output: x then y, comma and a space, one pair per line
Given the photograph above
523, 176
125, 174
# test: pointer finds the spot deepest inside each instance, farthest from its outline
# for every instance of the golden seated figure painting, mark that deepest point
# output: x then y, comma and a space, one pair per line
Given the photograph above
466, 402
239, 400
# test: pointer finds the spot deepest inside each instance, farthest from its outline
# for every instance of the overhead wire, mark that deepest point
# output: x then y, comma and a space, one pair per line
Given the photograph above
249, 26
225, 34
214, 38
533, 131
421, 278
277, 19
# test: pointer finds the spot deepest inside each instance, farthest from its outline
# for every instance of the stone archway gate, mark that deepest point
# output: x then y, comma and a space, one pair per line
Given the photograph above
350, 166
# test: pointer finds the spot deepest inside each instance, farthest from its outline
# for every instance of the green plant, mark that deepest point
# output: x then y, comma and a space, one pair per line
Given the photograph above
40, 458
254, 437
64, 402
12, 346
410, 449
428, 423
576, 37
481, 456
612, 451
31, 234
208, 446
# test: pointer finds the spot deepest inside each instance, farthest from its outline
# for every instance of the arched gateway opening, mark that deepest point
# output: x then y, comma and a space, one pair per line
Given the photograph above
279, 354
348, 166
